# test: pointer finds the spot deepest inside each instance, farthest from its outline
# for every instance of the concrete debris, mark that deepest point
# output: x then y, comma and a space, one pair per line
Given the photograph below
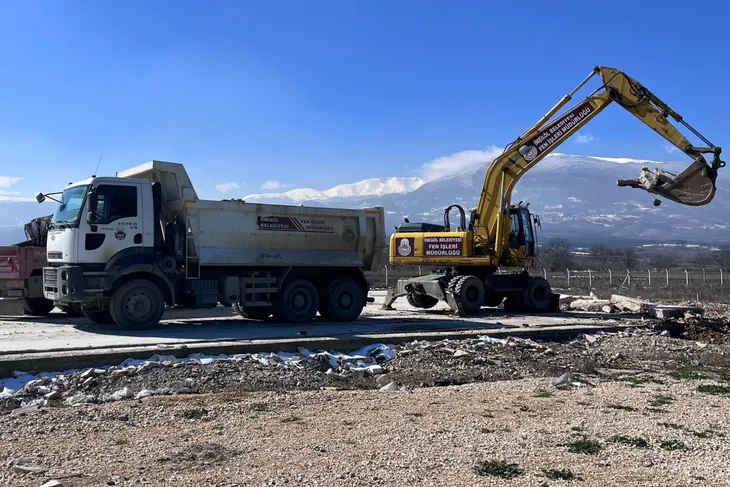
669, 312
382, 380
591, 305
391, 387
52, 483
460, 353
630, 305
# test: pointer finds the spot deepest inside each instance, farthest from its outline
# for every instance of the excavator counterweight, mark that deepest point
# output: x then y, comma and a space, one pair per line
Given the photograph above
501, 235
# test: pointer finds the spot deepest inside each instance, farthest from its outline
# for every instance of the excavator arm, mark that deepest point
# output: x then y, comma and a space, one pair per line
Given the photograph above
694, 186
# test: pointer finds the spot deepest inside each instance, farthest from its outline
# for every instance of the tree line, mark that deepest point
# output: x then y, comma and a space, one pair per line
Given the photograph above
558, 254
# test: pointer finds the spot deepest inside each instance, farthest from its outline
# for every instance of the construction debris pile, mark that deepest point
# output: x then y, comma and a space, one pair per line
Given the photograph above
384, 367
624, 304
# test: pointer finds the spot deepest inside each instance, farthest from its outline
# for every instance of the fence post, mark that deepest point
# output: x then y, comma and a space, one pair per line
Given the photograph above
666, 271
590, 278
610, 278
386, 276
544, 274
704, 276
720, 276
568, 271
419, 271
686, 278
628, 276
649, 277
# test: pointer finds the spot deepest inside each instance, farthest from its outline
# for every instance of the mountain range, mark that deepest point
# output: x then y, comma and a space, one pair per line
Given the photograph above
576, 197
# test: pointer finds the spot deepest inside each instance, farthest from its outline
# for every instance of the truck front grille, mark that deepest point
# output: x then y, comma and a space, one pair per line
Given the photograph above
50, 279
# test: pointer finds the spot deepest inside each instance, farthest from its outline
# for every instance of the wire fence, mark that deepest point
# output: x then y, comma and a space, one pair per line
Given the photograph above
676, 284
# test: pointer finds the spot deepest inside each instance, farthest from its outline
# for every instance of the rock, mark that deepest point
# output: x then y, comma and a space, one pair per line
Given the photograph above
77, 399
114, 480
631, 305
31, 408
52, 395
376, 369
29, 469
144, 393
564, 379
567, 298
391, 387
460, 353
382, 380
668, 312
52, 483
86, 373
119, 395
591, 305
609, 308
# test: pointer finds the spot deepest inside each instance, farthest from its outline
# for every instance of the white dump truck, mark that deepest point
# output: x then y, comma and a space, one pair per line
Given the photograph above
124, 247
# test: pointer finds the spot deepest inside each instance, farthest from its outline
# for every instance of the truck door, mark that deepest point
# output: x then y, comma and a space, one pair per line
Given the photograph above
118, 226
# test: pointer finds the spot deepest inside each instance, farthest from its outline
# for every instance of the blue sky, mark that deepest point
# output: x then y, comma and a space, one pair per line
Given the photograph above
312, 94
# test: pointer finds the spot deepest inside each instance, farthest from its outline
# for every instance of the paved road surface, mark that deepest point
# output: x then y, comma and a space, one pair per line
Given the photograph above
57, 332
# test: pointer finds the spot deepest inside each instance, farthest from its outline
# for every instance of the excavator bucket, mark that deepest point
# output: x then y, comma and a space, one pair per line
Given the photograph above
695, 186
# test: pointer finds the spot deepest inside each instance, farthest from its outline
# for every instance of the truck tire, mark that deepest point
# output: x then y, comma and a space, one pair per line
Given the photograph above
469, 293
137, 304
298, 302
343, 300
38, 306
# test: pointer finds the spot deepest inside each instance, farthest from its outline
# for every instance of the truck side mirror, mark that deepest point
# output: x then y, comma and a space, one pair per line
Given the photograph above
40, 197
93, 205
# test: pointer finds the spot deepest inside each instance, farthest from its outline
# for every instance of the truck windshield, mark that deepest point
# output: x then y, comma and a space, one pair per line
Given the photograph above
69, 211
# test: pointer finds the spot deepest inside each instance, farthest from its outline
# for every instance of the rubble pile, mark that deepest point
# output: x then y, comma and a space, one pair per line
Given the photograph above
626, 305
128, 380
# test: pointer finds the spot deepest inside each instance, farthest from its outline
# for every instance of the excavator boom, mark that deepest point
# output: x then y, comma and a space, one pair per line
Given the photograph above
694, 186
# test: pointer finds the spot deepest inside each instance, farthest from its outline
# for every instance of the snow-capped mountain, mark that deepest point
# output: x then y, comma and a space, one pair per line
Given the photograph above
367, 187
576, 197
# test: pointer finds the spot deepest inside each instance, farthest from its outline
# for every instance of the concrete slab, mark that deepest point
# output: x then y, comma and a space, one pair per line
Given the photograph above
61, 333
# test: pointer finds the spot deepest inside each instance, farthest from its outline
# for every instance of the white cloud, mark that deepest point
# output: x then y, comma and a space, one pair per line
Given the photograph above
458, 162
269, 185
671, 149
3, 191
584, 138
7, 181
226, 187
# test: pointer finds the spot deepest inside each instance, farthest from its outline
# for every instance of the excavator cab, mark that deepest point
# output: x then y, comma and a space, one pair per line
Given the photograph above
695, 186
522, 241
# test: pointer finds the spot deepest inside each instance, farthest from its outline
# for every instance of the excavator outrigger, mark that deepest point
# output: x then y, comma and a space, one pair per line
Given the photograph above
500, 234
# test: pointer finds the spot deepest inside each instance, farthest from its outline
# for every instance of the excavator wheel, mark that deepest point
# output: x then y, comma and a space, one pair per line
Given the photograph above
469, 294
422, 301
252, 312
537, 294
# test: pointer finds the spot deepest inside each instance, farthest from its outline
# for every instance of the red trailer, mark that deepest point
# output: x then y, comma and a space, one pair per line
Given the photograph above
21, 271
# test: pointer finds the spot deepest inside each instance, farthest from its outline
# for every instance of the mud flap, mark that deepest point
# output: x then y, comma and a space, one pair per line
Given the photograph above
695, 186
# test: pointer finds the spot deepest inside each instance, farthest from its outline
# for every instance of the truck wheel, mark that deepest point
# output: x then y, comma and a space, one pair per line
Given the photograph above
38, 306
298, 302
344, 300
99, 317
137, 305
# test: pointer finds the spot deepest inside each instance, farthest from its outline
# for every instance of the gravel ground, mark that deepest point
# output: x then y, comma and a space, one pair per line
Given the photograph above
424, 436
652, 402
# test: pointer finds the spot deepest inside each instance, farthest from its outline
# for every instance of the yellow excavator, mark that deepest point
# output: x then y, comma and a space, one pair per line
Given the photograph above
500, 234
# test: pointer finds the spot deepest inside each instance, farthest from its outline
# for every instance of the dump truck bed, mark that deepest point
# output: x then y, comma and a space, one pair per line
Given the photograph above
251, 234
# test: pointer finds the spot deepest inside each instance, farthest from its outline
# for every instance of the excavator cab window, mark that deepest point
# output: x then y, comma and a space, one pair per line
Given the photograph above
528, 233
521, 231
